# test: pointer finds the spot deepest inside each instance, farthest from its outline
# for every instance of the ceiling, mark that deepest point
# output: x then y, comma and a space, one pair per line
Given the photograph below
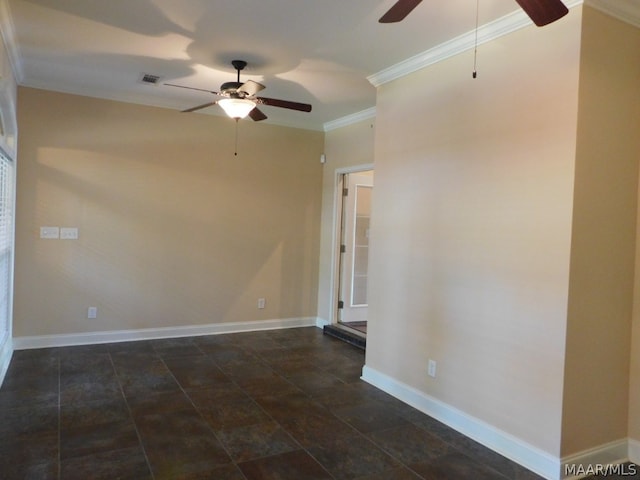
312, 51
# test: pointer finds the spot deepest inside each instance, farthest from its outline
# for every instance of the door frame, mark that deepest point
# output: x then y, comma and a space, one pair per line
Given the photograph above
336, 234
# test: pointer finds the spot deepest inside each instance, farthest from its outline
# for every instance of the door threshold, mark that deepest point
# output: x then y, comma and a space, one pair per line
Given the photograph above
346, 334
360, 327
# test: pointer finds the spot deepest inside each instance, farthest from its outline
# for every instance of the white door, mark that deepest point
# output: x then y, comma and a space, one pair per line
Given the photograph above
356, 215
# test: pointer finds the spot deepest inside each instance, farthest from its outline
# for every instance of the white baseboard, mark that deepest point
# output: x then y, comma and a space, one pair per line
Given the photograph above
634, 451
540, 462
595, 461
321, 322
91, 338
604, 458
6, 351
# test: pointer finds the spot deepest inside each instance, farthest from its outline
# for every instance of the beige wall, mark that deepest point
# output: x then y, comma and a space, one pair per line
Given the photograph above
471, 230
604, 231
174, 230
596, 390
634, 370
345, 148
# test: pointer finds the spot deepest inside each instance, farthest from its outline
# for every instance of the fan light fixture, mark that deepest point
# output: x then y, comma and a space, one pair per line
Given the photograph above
239, 99
237, 107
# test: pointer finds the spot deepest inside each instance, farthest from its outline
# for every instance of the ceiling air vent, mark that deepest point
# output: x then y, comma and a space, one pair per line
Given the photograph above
149, 79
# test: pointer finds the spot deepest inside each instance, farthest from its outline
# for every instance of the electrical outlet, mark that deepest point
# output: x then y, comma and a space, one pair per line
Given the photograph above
261, 303
432, 368
92, 312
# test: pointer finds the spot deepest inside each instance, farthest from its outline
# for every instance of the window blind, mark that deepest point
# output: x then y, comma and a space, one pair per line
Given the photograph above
6, 244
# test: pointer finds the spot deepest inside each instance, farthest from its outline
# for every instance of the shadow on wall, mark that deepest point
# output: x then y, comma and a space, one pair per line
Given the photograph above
172, 231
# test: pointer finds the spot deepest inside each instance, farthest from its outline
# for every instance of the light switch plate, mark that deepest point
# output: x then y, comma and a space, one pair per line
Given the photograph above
69, 233
49, 232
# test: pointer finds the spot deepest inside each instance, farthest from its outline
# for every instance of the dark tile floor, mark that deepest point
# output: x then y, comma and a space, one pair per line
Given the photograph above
274, 405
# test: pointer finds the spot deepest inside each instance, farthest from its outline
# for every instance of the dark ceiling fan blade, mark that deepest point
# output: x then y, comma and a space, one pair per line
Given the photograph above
543, 12
256, 115
273, 102
250, 87
401, 9
191, 88
199, 107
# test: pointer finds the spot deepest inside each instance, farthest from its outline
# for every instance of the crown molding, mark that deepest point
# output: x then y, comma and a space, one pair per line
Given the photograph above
7, 30
467, 41
350, 119
627, 11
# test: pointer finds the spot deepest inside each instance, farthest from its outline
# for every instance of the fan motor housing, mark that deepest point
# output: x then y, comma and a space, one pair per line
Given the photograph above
230, 87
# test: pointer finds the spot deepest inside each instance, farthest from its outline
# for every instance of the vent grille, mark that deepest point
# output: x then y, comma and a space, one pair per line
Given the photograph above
149, 78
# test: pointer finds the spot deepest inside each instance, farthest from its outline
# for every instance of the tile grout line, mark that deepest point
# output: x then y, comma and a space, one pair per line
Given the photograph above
276, 421
59, 416
253, 400
357, 432
135, 426
224, 447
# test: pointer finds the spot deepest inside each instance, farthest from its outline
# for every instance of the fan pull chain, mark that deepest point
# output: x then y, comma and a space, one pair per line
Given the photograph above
235, 153
475, 50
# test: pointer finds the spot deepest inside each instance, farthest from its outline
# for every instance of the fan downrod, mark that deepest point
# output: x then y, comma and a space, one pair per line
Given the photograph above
239, 66
231, 87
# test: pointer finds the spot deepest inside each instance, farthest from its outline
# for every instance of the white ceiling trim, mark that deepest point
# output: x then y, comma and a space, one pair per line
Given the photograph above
502, 26
627, 11
7, 30
350, 119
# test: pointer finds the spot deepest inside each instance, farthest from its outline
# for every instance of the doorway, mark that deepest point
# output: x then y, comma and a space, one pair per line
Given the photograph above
356, 190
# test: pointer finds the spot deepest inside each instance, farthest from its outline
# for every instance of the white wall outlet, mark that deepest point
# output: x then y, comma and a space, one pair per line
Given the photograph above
261, 303
432, 368
92, 312
69, 233
49, 232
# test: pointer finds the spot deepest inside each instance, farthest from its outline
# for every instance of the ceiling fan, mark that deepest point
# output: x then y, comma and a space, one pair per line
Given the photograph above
239, 99
542, 12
